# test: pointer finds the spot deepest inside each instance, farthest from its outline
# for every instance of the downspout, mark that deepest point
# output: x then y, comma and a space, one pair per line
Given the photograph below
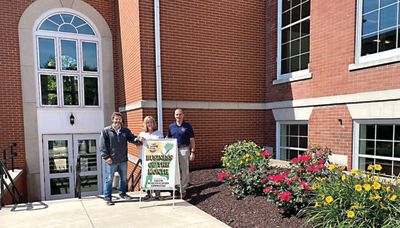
158, 63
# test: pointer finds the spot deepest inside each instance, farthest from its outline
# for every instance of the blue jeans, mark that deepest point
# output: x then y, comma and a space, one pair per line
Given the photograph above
109, 176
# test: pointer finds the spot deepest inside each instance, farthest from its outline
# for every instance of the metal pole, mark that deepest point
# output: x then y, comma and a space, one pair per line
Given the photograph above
13, 155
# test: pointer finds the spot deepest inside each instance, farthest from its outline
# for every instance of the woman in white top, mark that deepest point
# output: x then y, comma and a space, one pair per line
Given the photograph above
149, 132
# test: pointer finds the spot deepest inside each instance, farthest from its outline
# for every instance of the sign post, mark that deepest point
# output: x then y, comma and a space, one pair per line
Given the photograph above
160, 167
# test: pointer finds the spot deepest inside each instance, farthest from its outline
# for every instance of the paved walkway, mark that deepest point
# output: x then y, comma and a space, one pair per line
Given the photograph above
92, 212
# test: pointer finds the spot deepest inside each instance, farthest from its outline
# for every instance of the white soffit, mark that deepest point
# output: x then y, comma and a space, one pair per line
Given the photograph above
292, 113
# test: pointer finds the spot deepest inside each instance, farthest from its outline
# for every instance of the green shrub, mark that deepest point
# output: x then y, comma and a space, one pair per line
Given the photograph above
246, 166
357, 199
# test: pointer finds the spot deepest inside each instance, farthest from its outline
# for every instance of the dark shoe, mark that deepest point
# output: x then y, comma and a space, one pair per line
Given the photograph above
125, 196
109, 203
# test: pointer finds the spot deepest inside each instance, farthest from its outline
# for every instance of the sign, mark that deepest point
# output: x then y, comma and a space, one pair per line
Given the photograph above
159, 167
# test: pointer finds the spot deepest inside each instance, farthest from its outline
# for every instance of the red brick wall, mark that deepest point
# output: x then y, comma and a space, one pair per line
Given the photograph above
332, 50
332, 126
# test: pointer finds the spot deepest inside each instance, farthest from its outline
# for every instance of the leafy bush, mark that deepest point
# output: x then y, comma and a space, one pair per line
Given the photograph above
246, 164
357, 199
292, 190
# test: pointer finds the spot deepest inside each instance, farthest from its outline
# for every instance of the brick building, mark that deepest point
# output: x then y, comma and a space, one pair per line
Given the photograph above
284, 74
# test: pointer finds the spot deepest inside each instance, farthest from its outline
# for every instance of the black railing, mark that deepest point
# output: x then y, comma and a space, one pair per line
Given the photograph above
78, 184
134, 180
11, 187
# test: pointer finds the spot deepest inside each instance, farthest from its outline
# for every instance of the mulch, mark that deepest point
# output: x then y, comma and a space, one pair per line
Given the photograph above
216, 199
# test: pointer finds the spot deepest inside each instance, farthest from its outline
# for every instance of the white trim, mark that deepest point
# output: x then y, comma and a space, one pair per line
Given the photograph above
294, 114
295, 76
375, 110
364, 97
278, 135
158, 64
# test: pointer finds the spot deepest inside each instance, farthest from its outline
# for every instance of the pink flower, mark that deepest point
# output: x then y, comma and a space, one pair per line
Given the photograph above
266, 153
305, 185
295, 160
222, 176
263, 180
288, 182
305, 158
252, 168
322, 161
267, 189
285, 196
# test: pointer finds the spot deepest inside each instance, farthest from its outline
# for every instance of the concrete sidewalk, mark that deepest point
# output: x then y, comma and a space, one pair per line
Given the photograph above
93, 212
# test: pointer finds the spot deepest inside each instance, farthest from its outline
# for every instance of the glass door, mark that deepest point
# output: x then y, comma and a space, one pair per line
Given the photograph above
86, 156
58, 165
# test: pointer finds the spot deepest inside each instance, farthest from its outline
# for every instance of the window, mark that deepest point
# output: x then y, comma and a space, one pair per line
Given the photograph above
67, 66
293, 140
378, 143
293, 38
377, 30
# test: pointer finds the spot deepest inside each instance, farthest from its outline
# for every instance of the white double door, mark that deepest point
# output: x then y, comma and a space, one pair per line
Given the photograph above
62, 155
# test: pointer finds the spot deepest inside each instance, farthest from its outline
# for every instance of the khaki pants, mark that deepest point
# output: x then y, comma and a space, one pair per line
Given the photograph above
183, 155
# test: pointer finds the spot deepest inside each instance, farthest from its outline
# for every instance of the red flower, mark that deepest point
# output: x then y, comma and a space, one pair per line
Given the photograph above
285, 196
295, 160
266, 153
305, 185
222, 176
322, 161
267, 189
305, 158
288, 182
252, 168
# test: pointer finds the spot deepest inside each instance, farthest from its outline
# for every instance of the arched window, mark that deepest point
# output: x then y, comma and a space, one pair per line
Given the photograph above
67, 62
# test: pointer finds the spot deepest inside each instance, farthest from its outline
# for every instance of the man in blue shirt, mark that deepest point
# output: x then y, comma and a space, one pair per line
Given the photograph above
184, 134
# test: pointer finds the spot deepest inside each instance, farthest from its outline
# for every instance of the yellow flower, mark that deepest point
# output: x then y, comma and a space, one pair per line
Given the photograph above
350, 214
367, 187
258, 154
315, 186
329, 199
382, 205
322, 196
388, 189
371, 167
378, 167
317, 205
354, 171
331, 167
377, 197
358, 188
377, 185
376, 178
227, 164
342, 167
241, 162
357, 206
343, 177
393, 198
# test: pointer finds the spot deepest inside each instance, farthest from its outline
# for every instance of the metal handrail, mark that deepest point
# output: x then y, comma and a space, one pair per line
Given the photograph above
13, 191
78, 184
135, 180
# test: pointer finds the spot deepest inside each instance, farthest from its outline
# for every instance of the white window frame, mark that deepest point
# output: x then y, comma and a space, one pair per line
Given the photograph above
371, 60
79, 38
292, 76
356, 140
278, 136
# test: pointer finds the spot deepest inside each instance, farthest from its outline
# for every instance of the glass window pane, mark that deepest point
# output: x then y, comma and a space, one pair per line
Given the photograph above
89, 183
285, 18
293, 129
58, 156
67, 18
369, 5
303, 142
369, 44
89, 56
295, 2
68, 55
388, 17
77, 21
56, 19
304, 60
397, 150
397, 132
48, 89
85, 29
295, 47
295, 14
285, 50
91, 91
370, 23
284, 129
367, 147
305, 28
305, 9
305, 44
87, 153
303, 129
396, 168
70, 90
47, 53
295, 32
285, 35
295, 64
363, 163
387, 2
387, 40
68, 28
48, 25
384, 149
367, 131
384, 132
59, 186
284, 141
293, 154
386, 166
285, 67
284, 154
285, 5
294, 141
